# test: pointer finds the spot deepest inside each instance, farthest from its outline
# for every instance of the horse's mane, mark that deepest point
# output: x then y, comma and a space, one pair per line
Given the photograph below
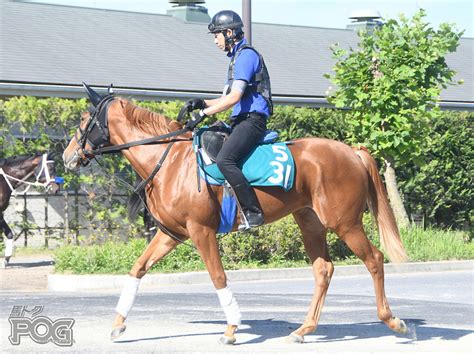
147, 121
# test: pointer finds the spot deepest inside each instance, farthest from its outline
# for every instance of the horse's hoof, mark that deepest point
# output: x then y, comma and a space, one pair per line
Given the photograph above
401, 327
117, 332
3, 264
295, 338
224, 340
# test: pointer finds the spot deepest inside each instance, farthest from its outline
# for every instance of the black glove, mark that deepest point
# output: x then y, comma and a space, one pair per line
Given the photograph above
196, 118
195, 103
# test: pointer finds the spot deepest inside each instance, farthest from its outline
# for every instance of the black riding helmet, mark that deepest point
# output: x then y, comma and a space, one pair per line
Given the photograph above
224, 20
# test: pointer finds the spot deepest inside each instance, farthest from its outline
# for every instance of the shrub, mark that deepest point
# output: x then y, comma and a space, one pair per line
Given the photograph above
440, 188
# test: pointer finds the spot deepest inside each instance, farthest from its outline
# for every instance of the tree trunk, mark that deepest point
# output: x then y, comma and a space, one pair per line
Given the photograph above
394, 195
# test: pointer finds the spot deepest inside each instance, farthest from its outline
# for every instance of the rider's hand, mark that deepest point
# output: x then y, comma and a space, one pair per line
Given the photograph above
196, 118
195, 103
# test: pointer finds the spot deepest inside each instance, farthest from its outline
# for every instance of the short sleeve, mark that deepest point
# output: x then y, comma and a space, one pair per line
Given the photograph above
246, 65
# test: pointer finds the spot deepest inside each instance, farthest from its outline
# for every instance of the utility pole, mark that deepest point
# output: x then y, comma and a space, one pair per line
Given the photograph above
247, 18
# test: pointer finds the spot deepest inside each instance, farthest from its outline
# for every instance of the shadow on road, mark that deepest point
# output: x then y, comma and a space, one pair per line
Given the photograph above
14, 264
270, 328
166, 337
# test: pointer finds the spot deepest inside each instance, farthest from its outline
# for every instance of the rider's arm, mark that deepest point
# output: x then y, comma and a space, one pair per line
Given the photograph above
213, 101
224, 102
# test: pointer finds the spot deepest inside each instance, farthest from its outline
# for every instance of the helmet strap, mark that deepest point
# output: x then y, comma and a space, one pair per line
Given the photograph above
229, 40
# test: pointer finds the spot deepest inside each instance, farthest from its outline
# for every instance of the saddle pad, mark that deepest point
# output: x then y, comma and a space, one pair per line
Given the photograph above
267, 165
228, 211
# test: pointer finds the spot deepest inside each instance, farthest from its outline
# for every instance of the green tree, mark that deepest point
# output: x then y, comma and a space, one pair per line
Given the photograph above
441, 190
392, 83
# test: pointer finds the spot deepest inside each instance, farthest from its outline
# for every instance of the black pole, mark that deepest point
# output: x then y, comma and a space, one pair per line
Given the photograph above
247, 18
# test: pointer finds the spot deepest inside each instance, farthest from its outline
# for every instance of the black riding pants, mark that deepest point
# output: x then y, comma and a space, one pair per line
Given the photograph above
247, 130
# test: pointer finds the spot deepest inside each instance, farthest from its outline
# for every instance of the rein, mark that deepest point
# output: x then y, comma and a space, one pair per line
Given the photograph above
153, 140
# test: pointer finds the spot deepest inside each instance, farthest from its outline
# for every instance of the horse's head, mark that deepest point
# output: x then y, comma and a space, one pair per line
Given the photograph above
92, 132
45, 172
38, 170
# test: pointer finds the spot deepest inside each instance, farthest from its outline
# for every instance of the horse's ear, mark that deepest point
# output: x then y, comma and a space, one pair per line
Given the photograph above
94, 97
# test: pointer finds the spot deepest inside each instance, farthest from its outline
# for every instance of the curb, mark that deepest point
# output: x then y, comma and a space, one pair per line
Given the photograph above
68, 283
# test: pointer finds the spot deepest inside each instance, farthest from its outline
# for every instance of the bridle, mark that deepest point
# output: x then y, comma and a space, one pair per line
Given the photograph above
95, 133
43, 170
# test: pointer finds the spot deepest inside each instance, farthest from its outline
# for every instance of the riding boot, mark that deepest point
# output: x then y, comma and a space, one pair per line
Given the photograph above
250, 206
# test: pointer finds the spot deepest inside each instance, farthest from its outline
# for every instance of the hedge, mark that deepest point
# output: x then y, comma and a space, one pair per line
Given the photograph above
440, 188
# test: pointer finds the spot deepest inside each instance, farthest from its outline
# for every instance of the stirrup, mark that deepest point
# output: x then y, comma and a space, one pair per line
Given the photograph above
245, 225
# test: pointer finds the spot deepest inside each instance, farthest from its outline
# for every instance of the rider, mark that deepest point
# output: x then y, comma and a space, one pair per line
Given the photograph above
248, 92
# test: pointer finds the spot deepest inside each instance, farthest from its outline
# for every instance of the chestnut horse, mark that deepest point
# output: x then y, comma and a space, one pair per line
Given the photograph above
333, 184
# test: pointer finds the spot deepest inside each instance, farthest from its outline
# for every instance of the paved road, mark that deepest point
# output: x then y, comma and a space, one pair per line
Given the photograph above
438, 307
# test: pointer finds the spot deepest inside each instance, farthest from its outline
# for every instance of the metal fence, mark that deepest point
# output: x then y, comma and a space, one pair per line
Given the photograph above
42, 220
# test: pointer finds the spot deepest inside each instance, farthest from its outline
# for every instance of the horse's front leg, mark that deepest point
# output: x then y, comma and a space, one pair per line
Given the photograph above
205, 240
8, 239
159, 247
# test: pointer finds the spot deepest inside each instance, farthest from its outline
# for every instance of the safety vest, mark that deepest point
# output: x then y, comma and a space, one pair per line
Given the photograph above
261, 82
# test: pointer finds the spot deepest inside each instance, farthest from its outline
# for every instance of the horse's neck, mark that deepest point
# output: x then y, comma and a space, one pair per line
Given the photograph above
143, 158
24, 171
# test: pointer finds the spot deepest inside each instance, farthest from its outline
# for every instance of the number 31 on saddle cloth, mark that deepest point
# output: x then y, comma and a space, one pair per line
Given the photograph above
270, 164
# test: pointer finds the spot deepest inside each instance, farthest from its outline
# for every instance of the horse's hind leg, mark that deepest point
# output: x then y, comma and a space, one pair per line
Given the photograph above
358, 242
159, 247
8, 239
314, 238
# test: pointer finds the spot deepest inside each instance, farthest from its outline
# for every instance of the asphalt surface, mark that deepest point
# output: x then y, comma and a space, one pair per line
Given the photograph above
437, 307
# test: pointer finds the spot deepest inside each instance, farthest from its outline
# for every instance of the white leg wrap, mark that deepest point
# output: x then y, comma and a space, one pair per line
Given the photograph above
127, 298
230, 306
8, 247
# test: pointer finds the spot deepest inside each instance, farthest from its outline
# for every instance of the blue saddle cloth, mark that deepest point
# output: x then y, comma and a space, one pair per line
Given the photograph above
269, 164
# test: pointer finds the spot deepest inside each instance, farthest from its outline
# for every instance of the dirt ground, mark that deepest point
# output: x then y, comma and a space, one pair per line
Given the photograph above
26, 273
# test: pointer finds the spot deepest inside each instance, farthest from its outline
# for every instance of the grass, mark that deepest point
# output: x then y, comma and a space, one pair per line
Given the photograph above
118, 258
437, 245
27, 251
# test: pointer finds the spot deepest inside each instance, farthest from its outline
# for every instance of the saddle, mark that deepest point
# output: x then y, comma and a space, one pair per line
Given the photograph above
212, 138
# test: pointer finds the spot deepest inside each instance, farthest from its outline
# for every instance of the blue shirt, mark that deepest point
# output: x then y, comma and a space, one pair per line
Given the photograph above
246, 66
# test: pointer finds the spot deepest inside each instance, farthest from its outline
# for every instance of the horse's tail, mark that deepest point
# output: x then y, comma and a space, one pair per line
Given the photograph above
381, 210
